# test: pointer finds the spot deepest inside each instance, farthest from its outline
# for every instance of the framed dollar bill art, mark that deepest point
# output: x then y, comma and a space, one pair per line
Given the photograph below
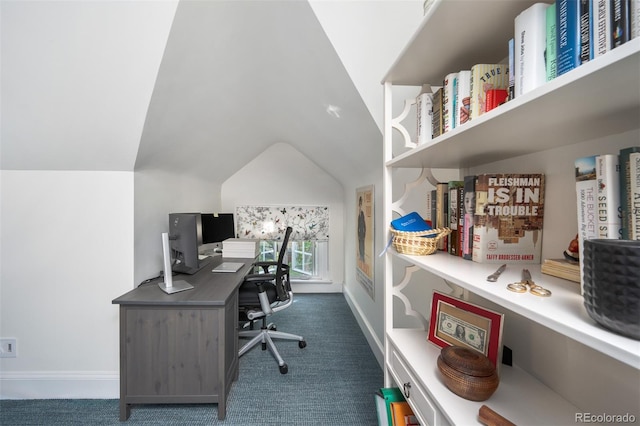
455, 322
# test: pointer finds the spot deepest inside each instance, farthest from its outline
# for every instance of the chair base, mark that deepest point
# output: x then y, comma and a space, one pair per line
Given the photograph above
265, 336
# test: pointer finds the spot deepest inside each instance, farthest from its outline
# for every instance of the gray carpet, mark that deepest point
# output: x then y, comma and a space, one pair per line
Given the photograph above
330, 382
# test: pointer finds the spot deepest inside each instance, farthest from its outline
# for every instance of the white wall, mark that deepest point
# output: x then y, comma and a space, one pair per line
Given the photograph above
281, 175
67, 252
158, 193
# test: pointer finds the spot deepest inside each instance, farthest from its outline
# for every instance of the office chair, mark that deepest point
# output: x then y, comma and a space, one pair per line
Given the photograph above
262, 294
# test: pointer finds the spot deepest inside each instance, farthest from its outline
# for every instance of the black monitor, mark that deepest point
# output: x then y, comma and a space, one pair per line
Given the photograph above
217, 227
185, 238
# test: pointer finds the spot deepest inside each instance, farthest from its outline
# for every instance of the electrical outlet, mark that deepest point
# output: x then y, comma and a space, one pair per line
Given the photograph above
8, 348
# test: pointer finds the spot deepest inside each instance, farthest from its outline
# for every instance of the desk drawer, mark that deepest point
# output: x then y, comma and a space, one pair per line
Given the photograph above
417, 396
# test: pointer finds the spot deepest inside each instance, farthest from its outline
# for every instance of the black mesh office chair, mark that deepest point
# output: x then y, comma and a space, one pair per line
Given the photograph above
261, 294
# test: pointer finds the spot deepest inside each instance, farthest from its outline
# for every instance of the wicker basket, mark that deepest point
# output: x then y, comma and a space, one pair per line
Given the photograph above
415, 243
467, 373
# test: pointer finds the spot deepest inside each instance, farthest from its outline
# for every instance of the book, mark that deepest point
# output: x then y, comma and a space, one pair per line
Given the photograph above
437, 113
568, 27
391, 395
586, 52
455, 209
634, 11
381, 409
428, 215
424, 111
620, 22
449, 102
586, 196
485, 77
434, 211
562, 268
551, 65
401, 412
463, 97
411, 222
496, 97
508, 218
512, 78
634, 189
469, 209
531, 41
626, 201
601, 27
442, 209
608, 204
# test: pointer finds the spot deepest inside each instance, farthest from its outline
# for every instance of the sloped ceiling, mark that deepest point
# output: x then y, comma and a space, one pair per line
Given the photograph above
239, 76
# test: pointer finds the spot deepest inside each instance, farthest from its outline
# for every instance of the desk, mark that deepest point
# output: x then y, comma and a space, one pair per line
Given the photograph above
182, 347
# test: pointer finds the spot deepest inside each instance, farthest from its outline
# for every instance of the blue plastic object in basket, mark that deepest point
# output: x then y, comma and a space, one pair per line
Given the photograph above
412, 222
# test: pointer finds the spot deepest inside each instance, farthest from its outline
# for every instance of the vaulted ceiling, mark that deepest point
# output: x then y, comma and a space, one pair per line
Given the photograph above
197, 87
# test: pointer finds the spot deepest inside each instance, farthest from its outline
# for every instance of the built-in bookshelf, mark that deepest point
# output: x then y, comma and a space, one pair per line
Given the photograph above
595, 100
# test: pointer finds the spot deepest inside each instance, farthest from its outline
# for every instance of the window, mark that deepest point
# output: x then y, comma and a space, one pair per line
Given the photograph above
308, 259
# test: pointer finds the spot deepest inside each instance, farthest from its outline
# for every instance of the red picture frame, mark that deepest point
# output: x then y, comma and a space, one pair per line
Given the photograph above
456, 322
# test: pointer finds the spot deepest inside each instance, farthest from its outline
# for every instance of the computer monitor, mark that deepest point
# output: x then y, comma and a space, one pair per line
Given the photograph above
185, 238
217, 227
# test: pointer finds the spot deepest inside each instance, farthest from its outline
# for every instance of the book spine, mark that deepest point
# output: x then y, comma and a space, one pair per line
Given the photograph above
551, 67
620, 22
449, 102
485, 77
601, 27
433, 208
634, 11
442, 197
469, 209
626, 200
568, 25
512, 67
585, 31
463, 97
424, 111
586, 196
608, 207
427, 216
634, 189
455, 187
531, 37
437, 113
495, 97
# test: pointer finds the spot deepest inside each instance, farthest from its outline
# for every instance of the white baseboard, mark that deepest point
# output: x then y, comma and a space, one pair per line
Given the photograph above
60, 385
376, 345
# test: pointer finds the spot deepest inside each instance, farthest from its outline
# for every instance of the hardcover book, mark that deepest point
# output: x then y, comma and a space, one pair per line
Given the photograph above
449, 102
485, 77
463, 97
551, 57
568, 25
562, 268
620, 22
469, 209
635, 18
424, 111
601, 27
442, 213
634, 189
531, 38
626, 197
508, 218
586, 198
608, 206
455, 209
437, 113
586, 52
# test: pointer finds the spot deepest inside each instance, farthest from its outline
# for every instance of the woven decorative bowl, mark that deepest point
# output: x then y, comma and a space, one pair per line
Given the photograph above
418, 243
468, 373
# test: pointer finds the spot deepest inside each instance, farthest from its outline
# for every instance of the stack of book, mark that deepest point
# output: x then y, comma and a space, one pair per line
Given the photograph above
562, 268
241, 247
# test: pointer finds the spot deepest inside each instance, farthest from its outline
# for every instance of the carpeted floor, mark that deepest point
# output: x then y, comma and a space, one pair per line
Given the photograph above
330, 382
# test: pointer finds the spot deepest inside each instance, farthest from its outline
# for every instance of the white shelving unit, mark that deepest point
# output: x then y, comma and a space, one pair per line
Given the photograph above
600, 98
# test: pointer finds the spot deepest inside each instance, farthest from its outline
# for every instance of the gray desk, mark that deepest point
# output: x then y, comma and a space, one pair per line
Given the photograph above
183, 347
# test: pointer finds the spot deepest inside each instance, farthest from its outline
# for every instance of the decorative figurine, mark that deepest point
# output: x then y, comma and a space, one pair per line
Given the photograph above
572, 253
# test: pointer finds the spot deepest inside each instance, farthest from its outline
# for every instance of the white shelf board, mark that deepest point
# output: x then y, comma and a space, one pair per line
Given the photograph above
563, 311
439, 46
599, 98
520, 398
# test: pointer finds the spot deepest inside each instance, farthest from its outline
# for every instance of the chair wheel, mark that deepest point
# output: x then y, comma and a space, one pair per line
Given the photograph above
302, 344
264, 346
284, 369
